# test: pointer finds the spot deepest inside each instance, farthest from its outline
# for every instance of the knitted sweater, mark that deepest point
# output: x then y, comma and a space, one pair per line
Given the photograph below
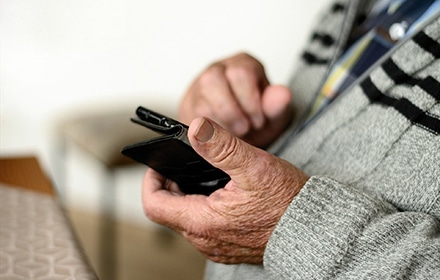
371, 208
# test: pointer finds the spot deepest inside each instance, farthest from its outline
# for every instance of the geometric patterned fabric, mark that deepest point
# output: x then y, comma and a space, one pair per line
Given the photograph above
36, 239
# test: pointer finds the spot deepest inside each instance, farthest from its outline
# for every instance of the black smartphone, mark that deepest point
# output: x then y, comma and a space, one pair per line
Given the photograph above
172, 156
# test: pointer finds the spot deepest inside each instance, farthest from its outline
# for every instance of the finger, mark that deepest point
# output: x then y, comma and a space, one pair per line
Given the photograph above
216, 92
167, 208
276, 102
153, 181
247, 81
277, 109
243, 162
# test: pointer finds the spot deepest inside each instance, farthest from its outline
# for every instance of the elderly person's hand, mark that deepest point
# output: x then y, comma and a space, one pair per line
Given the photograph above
233, 224
236, 94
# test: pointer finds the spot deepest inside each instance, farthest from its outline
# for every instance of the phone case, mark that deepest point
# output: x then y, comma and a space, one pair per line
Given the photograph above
172, 155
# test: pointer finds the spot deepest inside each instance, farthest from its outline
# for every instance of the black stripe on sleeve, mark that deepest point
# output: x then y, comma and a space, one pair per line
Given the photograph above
431, 86
325, 39
374, 94
430, 123
409, 110
428, 44
397, 74
313, 59
405, 107
338, 7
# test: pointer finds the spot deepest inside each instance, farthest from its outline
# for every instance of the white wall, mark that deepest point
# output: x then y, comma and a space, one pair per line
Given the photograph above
56, 55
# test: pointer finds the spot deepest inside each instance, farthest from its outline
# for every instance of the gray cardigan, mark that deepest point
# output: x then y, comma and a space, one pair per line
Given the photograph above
372, 206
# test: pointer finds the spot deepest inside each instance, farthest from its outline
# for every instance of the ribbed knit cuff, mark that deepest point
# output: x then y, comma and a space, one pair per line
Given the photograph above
315, 233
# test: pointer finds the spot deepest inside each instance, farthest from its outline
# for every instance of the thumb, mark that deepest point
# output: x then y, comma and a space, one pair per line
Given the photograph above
227, 152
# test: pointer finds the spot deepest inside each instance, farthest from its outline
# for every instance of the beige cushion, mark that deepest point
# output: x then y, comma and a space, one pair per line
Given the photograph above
104, 134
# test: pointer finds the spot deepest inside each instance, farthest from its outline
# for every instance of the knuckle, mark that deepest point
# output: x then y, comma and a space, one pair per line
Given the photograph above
240, 73
210, 76
243, 56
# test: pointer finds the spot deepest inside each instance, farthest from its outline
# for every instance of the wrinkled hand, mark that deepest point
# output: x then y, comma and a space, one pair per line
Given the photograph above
235, 93
233, 224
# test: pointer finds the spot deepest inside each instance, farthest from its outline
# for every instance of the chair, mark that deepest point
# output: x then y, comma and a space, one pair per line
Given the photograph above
101, 135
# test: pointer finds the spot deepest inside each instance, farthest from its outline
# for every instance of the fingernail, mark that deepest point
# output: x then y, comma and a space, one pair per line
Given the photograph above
204, 132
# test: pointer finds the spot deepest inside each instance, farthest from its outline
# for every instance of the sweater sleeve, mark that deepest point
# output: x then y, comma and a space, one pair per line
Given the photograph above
334, 231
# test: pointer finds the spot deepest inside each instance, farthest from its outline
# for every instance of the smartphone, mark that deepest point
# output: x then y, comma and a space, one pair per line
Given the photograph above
172, 156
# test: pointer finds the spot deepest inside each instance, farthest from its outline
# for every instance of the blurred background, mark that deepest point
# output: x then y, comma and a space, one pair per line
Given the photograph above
85, 62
